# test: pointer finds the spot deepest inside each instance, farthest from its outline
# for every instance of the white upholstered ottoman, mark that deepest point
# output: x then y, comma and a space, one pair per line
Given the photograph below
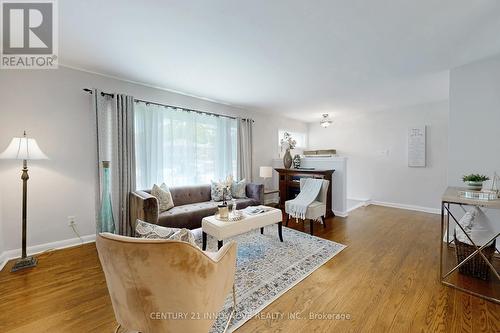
223, 230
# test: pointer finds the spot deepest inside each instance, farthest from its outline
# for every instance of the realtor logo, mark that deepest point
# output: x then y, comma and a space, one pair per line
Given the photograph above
29, 34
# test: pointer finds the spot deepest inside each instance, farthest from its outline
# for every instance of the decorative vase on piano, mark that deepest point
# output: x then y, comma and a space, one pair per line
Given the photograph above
287, 143
287, 159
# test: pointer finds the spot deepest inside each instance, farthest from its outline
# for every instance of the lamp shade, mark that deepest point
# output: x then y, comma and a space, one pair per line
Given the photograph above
266, 172
23, 149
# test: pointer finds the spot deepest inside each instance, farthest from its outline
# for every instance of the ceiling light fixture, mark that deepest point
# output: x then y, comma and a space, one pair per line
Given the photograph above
325, 122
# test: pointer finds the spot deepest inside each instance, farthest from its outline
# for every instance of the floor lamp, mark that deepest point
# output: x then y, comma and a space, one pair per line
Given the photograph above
24, 149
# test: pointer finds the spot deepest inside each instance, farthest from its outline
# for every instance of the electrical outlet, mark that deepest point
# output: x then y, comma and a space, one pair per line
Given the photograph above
71, 221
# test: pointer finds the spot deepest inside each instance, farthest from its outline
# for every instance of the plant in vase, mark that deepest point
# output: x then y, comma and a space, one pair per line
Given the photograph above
475, 181
223, 209
287, 143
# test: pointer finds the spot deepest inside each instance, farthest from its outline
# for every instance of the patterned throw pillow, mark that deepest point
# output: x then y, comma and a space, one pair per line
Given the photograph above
162, 193
239, 189
184, 235
153, 231
217, 189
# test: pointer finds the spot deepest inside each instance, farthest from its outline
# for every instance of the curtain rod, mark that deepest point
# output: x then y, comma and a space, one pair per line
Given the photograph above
169, 106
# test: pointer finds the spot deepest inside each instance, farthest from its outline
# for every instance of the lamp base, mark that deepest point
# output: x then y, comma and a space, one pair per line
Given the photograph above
24, 263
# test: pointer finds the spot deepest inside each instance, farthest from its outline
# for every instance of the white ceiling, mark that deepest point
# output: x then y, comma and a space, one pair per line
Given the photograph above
297, 57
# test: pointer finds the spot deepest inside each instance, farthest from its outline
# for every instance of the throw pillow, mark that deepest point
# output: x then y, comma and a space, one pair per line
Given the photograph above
184, 235
216, 191
162, 193
239, 189
153, 231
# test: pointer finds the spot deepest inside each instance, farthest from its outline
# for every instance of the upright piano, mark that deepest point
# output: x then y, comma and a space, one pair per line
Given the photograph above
289, 184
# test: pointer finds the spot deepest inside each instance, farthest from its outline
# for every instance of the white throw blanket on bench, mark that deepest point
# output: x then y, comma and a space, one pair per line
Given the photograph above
308, 193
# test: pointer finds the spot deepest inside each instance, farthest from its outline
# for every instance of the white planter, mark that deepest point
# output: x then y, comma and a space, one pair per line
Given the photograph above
474, 185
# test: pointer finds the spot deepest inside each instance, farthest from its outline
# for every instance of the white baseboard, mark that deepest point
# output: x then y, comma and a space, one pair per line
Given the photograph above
359, 205
12, 254
340, 214
365, 200
407, 207
3, 260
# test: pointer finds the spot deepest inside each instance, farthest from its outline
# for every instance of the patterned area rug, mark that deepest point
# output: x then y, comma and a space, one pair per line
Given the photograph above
267, 268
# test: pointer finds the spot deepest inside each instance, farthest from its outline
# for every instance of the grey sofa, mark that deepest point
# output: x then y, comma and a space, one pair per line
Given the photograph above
191, 205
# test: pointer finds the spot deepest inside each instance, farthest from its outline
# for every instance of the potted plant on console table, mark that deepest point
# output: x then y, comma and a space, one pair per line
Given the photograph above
475, 181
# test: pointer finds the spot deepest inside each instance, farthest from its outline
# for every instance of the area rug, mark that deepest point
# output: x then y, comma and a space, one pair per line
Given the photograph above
267, 268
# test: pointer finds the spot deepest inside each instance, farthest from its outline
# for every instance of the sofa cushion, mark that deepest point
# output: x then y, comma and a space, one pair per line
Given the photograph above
187, 216
190, 215
184, 195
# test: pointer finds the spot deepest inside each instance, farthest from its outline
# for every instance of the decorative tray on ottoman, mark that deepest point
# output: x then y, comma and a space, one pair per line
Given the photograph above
233, 217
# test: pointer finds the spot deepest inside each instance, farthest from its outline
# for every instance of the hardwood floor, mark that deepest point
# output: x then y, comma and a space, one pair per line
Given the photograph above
386, 280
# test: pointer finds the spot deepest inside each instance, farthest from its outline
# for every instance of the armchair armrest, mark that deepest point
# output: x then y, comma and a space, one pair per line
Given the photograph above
255, 191
230, 248
143, 206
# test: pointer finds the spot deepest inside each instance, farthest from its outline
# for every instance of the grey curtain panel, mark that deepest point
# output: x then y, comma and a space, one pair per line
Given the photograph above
125, 160
245, 155
115, 143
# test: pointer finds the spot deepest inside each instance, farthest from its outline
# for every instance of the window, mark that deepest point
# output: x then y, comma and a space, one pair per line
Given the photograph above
297, 136
180, 147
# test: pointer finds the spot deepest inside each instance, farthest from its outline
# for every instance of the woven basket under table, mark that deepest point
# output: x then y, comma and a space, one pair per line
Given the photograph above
476, 266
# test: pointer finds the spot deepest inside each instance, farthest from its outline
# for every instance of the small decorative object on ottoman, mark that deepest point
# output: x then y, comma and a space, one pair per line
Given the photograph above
223, 211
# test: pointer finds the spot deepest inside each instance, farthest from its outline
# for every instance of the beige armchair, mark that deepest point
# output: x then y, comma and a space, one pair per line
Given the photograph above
317, 209
152, 281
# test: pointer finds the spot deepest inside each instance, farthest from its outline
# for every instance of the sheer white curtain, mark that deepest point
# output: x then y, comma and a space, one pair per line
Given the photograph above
182, 148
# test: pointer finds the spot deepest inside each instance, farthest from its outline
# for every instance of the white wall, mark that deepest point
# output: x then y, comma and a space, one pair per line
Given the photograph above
51, 105
474, 143
371, 174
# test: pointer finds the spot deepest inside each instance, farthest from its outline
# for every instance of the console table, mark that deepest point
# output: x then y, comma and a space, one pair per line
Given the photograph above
289, 184
451, 198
